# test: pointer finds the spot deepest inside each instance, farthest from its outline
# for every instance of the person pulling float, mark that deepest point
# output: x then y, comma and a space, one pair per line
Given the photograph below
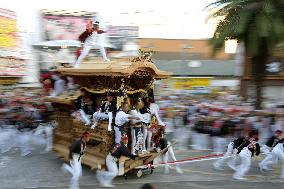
107, 111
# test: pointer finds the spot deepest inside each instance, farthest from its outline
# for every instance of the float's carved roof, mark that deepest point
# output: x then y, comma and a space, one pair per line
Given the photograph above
122, 68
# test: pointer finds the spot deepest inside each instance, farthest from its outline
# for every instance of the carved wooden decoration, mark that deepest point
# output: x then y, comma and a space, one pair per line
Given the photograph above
129, 78
144, 56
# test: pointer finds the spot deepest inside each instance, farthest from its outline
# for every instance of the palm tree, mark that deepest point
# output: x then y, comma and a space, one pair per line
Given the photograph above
259, 24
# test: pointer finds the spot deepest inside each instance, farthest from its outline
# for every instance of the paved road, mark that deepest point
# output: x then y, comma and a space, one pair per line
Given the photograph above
42, 171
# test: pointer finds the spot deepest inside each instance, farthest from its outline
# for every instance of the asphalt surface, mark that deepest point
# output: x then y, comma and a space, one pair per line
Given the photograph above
43, 171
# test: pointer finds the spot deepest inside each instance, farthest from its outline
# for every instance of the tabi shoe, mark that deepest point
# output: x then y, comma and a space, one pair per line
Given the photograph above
263, 169
102, 182
44, 152
268, 169
232, 166
100, 178
239, 178
106, 185
179, 170
167, 169
94, 125
48, 149
25, 153
218, 168
5, 150
134, 153
64, 168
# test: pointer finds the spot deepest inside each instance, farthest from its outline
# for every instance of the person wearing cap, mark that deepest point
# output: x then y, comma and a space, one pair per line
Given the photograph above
70, 83
76, 151
59, 85
272, 152
160, 143
154, 114
105, 178
47, 130
121, 118
47, 85
272, 142
267, 148
89, 38
85, 106
146, 121
154, 109
231, 154
180, 122
137, 129
107, 111
246, 151
277, 155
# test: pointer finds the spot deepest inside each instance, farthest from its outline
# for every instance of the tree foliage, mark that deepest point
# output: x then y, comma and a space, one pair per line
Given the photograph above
250, 21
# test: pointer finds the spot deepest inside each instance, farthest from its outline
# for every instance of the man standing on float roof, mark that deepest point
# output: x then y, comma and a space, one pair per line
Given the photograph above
90, 40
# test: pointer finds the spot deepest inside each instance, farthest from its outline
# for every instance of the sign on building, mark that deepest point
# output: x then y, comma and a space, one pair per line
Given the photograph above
10, 66
64, 25
190, 83
274, 67
8, 29
67, 25
123, 31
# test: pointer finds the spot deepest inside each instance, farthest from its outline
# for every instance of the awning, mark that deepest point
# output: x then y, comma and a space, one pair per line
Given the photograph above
66, 43
59, 43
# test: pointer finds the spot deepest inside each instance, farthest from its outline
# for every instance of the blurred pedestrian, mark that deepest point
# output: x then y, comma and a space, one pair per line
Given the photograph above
59, 85
246, 151
105, 178
107, 111
76, 152
230, 155
270, 159
85, 107
182, 129
121, 119
46, 130
161, 144
278, 155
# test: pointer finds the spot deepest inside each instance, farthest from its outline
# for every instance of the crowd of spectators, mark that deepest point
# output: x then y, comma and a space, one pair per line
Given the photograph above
202, 123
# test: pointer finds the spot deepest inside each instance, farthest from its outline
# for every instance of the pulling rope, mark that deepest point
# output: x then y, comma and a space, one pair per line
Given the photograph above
185, 160
194, 159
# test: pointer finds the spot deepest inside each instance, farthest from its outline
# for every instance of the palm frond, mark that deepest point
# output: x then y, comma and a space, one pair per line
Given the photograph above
251, 21
219, 3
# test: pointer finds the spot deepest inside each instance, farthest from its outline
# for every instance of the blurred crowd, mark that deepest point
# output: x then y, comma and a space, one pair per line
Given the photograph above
194, 122
202, 123
24, 120
22, 109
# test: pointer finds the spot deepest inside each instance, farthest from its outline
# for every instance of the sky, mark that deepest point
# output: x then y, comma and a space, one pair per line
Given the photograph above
178, 19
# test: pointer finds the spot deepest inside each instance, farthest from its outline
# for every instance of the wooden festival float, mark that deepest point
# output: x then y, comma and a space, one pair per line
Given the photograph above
130, 76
